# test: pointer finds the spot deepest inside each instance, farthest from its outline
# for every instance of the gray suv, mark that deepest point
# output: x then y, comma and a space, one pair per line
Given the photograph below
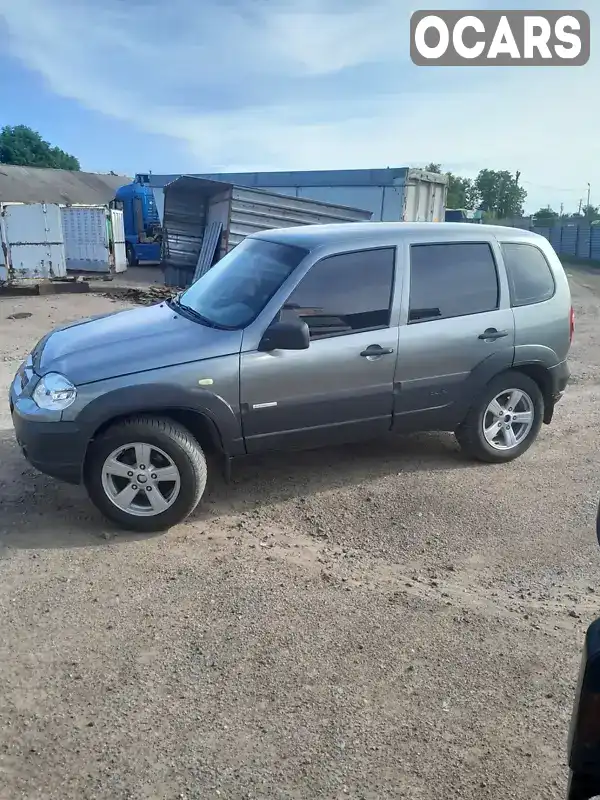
302, 337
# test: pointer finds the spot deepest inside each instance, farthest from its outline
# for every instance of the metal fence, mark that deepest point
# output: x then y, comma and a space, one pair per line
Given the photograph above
569, 239
575, 241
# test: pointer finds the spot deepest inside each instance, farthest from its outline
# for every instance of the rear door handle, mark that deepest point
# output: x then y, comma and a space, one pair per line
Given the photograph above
374, 350
492, 334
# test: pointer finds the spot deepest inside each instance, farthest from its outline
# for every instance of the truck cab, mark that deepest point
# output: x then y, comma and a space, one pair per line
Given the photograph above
143, 231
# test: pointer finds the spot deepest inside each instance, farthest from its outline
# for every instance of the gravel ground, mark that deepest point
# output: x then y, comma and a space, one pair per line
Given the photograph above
376, 621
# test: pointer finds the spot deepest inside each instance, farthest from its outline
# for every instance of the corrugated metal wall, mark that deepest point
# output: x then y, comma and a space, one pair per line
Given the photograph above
183, 230
555, 236
380, 191
584, 242
573, 240
568, 241
595, 244
86, 238
192, 204
33, 241
254, 210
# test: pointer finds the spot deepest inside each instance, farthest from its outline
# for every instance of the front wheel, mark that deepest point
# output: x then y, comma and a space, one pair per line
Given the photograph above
146, 474
506, 420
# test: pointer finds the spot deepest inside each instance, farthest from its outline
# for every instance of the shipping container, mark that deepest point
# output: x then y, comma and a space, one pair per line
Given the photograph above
391, 195
94, 239
32, 242
204, 219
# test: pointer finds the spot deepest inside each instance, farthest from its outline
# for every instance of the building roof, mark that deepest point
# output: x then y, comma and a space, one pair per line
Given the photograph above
35, 185
378, 234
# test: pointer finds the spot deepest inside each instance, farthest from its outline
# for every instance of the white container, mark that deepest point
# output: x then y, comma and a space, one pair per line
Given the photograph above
32, 241
424, 197
118, 240
94, 239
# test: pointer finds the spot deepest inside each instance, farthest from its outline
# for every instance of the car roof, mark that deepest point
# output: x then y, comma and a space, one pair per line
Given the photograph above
376, 234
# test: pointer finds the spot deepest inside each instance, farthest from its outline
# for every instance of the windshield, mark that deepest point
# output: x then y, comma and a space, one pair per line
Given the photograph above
234, 292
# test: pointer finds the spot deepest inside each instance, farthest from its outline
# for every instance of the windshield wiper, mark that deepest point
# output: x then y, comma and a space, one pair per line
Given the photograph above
176, 303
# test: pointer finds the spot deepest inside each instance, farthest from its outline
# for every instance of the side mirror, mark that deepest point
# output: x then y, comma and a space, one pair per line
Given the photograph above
289, 335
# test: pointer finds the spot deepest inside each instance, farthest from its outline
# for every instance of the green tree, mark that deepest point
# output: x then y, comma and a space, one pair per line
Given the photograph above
591, 212
499, 193
25, 147
545, 216
461, 191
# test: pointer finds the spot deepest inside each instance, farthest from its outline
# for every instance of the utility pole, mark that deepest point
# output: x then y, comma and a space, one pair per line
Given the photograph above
562, 208
580, 204
498, 207
517, 176
588, 198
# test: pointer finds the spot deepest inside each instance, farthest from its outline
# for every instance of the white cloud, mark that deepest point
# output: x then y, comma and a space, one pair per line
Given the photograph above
280, 84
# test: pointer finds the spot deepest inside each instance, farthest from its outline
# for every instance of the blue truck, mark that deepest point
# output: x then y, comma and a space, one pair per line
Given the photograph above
141, 220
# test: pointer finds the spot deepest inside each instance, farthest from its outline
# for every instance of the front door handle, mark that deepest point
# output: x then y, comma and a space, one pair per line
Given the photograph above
492, 334
375, 350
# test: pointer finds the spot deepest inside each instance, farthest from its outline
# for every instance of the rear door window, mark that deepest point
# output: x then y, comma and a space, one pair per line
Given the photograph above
529, 275
452, 280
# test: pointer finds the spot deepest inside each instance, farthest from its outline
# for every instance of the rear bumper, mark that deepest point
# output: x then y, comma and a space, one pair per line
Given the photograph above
559, 376
559, 379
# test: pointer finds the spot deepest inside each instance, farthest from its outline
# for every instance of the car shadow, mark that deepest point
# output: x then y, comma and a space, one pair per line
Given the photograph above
277, 477
37, 512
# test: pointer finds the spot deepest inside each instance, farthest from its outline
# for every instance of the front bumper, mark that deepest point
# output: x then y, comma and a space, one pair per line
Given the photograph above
52, 446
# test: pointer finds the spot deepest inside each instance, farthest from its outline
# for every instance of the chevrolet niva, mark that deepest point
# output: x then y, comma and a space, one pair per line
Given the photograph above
298, 338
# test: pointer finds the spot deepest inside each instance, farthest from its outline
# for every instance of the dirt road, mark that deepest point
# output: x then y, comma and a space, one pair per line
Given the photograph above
377, 621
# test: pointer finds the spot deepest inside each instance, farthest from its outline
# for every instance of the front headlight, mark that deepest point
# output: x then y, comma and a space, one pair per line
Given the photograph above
54, 392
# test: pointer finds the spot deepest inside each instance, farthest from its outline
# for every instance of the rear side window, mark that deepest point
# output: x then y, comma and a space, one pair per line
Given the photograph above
452, 280
529, 275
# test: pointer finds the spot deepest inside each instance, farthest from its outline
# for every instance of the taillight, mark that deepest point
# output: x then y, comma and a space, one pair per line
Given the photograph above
571, 324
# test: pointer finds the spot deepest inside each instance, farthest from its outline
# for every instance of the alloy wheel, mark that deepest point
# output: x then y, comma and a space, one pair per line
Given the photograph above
508, 419
141, 479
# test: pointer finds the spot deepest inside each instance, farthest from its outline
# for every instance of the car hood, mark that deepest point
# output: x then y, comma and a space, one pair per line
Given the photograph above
128, 342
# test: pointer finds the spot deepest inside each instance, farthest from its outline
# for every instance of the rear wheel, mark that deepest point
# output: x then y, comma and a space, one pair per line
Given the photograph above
146, 474
506, 420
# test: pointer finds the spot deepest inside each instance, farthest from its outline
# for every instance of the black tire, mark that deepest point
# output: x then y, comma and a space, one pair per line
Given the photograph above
174, 440
130, 253
470, 434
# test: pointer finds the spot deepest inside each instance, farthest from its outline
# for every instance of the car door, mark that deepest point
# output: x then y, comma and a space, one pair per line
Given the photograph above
459, 331
341, 387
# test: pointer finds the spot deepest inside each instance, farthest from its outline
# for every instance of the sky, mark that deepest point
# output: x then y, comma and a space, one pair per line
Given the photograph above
242, 85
